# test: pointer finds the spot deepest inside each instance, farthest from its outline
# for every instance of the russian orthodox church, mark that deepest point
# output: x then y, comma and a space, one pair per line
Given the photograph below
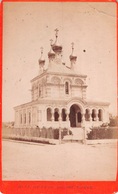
59, 96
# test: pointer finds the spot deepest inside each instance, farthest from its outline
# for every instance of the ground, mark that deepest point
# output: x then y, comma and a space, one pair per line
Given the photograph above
70, 161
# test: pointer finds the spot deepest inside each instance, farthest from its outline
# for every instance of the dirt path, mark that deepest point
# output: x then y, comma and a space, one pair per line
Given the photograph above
71, 161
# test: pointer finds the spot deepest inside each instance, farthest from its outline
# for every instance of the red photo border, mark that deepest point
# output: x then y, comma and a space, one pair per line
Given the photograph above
51, 187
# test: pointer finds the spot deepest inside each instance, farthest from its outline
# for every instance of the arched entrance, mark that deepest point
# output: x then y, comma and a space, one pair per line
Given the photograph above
75, 116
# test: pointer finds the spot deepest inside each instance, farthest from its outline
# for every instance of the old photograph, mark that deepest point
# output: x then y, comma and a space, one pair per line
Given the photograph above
59, 115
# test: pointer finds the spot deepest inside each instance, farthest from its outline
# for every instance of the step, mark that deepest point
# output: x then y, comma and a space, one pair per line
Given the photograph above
78, 133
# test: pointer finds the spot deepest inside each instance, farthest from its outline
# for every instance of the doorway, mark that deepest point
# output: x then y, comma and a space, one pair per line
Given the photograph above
75, 116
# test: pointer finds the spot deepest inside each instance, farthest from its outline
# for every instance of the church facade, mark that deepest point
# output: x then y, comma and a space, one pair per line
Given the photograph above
59, 96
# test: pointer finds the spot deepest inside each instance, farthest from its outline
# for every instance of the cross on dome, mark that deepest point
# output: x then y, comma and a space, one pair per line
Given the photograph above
41, 50
72, 47
57, 48
41, 58
56, 30
51, 41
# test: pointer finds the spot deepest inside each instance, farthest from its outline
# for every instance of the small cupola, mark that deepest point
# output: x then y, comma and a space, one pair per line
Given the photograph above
51, 53
73, 57
41, 61
57, 48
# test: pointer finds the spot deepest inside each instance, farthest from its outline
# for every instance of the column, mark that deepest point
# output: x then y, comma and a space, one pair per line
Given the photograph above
52, 118
97, 118
84, 139
90, 115
60, 120
31, 115
26, 117
52, 112
68, 121
83, 118
45, 116
76, 119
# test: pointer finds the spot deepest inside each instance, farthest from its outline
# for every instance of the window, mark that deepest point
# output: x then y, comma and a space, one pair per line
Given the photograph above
100, 115
29, 117
39, 90
66, 88
93, 115
63, 115
21, 118
25, 118
49, 114
87, 115
56, 115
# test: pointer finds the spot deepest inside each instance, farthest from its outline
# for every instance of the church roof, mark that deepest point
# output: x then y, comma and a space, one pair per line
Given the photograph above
56, 64
62, 69
65, 101
59, 69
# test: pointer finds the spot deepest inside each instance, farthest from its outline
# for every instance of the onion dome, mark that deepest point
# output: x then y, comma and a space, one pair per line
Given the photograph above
57, 48
51, 53
72, 56
41, 62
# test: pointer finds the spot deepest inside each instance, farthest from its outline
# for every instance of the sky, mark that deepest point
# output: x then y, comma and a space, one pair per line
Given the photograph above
28, 26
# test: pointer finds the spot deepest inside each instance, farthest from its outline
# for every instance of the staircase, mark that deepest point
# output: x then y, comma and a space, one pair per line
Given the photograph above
77, 135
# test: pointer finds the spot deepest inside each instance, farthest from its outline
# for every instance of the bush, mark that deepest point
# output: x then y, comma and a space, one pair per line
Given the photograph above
103, 133
64, 132
113, 121
44, 132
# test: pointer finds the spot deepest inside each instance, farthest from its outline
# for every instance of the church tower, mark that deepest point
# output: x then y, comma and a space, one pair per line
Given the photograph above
51, 53
57, 48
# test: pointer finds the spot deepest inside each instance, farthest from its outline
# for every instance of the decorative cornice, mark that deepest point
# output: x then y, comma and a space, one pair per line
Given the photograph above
60, 74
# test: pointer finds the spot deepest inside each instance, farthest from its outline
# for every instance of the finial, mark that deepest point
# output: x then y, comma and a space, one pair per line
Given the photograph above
56, 30
41, 50
51, 41
41, 58
72, 47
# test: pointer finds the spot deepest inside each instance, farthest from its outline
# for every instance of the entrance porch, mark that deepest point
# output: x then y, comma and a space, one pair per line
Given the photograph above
75, 116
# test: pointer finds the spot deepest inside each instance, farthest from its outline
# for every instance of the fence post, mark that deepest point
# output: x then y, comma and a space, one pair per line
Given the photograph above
84, 140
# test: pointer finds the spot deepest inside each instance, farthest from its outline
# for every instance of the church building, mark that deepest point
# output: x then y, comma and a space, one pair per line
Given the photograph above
59, 96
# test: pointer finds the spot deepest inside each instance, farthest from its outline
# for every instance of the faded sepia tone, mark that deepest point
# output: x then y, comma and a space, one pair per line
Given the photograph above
28, 26
72, 89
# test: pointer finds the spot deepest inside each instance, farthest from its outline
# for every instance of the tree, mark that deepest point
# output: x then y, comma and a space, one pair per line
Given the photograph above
113, 121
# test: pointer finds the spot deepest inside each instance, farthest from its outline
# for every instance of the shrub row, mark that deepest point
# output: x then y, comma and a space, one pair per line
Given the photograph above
38, 132
103, 133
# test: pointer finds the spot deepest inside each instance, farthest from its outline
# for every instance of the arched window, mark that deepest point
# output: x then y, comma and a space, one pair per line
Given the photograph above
56, 115
66, 88
49, 114
25, 118
93, 115
29, 117
87, 115
21, 118
100, 115
40, 90
63, 114
33, 92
